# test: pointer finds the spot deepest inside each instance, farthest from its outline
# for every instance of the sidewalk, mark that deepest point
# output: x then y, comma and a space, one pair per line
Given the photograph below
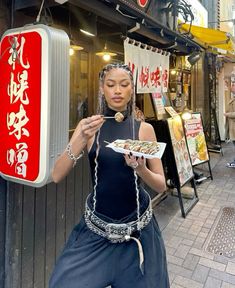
208, 227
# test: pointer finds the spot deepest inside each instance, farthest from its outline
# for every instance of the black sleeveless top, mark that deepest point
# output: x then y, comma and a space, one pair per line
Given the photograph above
116, 191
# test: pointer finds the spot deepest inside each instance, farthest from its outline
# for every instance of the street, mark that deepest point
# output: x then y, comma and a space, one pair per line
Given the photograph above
200, 248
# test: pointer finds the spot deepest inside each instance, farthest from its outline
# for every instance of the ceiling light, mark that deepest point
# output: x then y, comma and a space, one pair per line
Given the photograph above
61, 1
74, 48
71, 51
88, 25
105, 54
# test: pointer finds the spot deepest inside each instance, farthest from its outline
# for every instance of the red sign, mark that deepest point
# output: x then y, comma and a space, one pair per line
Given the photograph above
20, 90
142, 3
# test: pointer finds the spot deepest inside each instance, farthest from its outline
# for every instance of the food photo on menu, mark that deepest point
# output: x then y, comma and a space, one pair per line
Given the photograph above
196, 139
181, 153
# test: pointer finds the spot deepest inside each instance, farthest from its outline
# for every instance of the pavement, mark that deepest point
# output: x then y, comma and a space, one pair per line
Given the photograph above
190, 265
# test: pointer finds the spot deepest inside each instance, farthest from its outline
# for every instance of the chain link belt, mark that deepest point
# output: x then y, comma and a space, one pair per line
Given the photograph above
118, 233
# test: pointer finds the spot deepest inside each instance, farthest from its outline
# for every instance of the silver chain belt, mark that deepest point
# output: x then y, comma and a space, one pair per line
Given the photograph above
114, 232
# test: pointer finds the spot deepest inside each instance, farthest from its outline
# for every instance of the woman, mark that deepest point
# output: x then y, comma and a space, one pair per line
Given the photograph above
117, 242
230, 125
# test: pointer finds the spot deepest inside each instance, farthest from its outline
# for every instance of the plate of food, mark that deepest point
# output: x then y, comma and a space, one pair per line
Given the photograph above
138, 148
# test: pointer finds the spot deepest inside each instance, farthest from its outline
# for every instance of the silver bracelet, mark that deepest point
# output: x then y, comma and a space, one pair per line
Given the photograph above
72, 156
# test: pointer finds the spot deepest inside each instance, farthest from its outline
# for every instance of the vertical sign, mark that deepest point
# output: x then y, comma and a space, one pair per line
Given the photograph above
21, 104
31, 95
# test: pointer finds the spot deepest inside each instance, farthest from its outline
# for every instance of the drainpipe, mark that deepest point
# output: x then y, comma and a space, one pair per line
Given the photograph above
174, 14
3, 192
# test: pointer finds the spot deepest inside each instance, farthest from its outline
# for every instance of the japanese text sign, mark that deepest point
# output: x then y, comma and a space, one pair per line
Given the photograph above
25, 103
150, 68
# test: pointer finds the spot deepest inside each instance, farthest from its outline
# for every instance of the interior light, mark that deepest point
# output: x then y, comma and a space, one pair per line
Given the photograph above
105, 54
74, 48
71, 52
88, 25
87, 33
186, 114
106, 57
173, 72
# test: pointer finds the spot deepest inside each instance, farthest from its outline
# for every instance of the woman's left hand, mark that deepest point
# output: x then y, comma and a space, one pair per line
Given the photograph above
137, 163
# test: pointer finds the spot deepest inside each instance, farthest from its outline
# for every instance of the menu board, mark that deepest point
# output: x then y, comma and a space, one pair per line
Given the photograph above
196, 139
181, 153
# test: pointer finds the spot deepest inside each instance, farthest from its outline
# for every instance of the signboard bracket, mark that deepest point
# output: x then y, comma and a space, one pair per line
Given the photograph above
186, 210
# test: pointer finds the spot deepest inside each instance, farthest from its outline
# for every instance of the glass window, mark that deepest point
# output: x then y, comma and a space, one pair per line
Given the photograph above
78, 87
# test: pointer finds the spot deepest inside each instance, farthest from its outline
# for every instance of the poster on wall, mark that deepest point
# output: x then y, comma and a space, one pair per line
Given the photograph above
196, 139
158, 103
181, 153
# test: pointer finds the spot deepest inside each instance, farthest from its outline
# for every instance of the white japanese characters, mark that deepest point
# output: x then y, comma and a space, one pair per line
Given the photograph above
16, 120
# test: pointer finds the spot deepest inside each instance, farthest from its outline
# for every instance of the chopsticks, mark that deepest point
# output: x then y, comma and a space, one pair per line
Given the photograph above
108, 117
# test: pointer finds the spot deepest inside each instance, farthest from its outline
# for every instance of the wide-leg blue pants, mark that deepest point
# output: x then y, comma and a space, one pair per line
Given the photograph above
89, 260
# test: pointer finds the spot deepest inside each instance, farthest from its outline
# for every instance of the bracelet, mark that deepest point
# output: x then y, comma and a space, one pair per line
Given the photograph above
72, 156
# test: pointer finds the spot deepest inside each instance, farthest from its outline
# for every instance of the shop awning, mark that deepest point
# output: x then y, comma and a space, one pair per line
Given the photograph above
221, 40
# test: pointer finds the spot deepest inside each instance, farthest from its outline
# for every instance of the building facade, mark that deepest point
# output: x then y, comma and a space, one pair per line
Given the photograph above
36, 222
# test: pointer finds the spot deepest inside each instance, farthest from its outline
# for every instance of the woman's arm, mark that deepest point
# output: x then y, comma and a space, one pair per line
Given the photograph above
153, 175
230, 114
81, 138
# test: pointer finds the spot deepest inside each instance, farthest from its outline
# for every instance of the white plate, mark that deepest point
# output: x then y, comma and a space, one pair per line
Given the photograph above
159, 154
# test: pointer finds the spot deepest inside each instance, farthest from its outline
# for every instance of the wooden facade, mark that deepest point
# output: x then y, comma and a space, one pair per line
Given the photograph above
38, 222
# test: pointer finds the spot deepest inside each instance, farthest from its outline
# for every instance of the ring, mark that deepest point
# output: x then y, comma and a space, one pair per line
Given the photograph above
134, 165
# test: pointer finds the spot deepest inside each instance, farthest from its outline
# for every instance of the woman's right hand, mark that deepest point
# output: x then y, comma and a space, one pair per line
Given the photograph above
87, 128
84, 132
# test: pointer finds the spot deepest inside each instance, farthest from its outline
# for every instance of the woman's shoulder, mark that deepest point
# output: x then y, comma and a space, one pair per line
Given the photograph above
147, 132
145, 125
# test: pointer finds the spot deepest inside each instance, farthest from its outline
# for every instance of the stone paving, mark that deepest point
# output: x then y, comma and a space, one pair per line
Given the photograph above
189, 264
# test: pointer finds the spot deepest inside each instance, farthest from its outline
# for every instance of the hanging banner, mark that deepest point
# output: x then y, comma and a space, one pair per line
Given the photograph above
165, 73
181, 153
150, 67
196, 139
33, 91
132, 57
155, 70
144, 74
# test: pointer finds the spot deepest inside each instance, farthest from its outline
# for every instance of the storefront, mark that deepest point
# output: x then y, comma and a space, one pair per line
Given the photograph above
220, 48
39, 220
